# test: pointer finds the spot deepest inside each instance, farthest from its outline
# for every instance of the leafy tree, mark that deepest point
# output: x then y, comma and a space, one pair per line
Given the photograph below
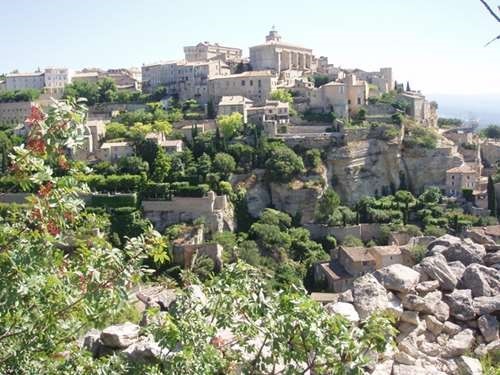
492, 199
162, 166
280, 219
282, 95
106, 90
406, 199
204, 166
312, 158
283, 163
52, 292
327, 205
492, 131
224, 164
133, 165
116, 130
352, 241
243, 154
82, 89
26, 95
320, 80
147, 150
431, 196
230, 125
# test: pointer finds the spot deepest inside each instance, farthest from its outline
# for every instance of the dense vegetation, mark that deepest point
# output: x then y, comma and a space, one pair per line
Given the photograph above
26, 95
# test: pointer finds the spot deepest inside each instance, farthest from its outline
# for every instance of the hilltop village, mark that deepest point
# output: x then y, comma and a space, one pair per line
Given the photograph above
341, 182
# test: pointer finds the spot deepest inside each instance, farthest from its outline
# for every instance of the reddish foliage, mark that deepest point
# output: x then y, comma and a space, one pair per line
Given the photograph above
35, 115
36, 145
45, 190
53, 229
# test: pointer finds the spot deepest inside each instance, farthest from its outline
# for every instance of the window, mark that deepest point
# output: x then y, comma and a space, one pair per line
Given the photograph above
349, 101
260, 83
243, 83
359, 100
251, 82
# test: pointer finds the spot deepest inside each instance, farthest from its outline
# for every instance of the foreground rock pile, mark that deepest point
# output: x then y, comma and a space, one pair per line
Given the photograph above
447, 308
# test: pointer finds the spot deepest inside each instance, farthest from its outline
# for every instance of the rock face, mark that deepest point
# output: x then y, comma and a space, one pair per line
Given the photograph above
481, 280
488, 325
369, 295
120, 336
465, 252
437, 269
398, 278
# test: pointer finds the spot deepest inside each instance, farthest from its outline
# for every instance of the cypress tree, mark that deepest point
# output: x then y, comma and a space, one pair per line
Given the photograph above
492, 199
408, 86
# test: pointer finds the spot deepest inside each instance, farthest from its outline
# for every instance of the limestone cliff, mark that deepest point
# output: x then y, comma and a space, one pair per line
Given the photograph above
374, 167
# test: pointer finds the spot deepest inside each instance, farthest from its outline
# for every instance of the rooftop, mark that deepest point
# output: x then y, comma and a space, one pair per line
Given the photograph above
234, 100
254, 73
115, 144
464, 168
385, 250
358, 254
24, 74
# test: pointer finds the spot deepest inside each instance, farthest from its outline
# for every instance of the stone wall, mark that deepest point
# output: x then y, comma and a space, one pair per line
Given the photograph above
217, 211
490, 152
365, 232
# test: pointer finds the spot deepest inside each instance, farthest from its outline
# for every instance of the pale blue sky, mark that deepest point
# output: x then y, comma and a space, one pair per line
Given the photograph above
435, 44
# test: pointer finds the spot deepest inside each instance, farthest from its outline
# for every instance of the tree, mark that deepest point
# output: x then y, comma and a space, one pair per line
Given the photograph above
162, 166
230, 125
406, 199
203, 166
116, 130
282, 95
492, 131
224, 164
312, 158
133, 165
408, 86
283, 163
495, 16
327, 205
52, 288
492, 199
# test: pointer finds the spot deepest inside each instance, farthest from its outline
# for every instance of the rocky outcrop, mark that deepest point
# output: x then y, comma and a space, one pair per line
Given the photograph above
448, 309
120, 336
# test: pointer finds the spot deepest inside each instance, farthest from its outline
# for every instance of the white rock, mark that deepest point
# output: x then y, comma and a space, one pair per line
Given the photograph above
411, 317
488, 325
383, 368
345, 309
451, 328
469, 366
397, 277
145, 350
437, 268
404, 358
460, 343
427, 286
433, 325
369, 296
120, 335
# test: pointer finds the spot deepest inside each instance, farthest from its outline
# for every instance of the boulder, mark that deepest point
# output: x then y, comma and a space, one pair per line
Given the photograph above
404, 358
397, 277
394, 305
481, 280
461, 343
345, 309
369, 295
461, 304
466, 252
437, 269
145, 350
487, 305
433, 325
420, 270
457, 268
430, 304
429, 348
400, 369
446, 241
196, 292
427, 286
157, 296
92, 341
488, 325
492, 258
346, 296
120, 336
411, 317
451, 328
383, 368
469, 366
409, 345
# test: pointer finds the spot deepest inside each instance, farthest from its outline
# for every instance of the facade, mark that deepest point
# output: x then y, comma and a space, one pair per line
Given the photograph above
169, 145
113, 151
23, 81
343, 97
55, 80
90, 77
187, 80
386, 255
205, 51
420, 109
357, 261
278, 56
15, 113
254, 85
463, 177
382, 79
231, 104
272, 112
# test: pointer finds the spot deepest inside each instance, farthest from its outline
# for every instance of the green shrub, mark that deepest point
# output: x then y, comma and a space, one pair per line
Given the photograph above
154, 190
113, 201
192, 191
352, 241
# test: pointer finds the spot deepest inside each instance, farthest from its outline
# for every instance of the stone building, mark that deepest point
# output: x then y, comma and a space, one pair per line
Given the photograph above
205, 51
460, 178
231, 104
23, 81
343, 97
187, 80
15, 113
383, 79
56, 80
273, 111
216, 210
169, 145
113, 151
420, 109
278, 56
348, 263
254, 85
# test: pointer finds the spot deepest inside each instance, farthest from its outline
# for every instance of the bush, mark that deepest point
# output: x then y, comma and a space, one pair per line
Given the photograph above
112, 183
192, 191
435, 231
312, 158
283, 163
113, 201
154, 190
352, 241
421, 137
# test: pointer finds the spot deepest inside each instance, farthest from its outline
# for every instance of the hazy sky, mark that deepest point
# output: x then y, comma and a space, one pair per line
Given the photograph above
435, 44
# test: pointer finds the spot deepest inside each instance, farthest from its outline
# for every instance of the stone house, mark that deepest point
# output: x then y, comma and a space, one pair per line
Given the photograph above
420, 109
386, 255
460, 178
254, 85
113, 151
169, 145
231, 104
15, 113
357, 261
205, 51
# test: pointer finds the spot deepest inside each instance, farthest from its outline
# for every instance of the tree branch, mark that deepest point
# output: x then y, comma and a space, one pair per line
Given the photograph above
492, 40
490, 10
